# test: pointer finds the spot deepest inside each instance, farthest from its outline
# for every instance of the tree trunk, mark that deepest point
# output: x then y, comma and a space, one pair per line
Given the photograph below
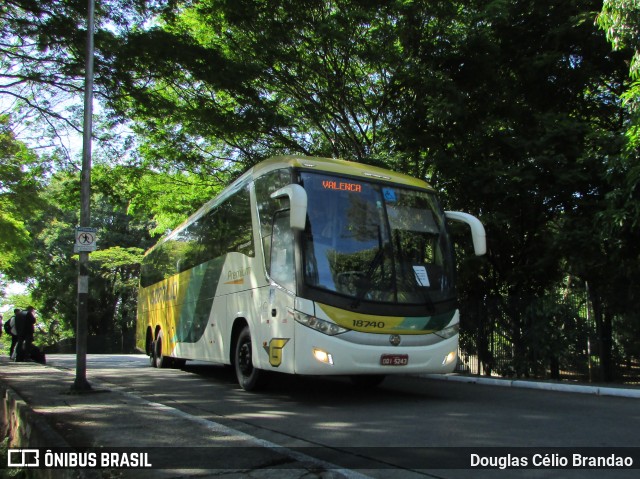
603, 332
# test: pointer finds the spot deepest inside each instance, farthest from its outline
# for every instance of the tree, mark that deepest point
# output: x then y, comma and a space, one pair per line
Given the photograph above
122, 240
514, 104
621, 21
523, 129
21, 174
120, 268
619, 221
243, 80
42, 55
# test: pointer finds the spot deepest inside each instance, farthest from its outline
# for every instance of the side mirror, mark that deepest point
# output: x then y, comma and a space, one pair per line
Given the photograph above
298, 202
478, 234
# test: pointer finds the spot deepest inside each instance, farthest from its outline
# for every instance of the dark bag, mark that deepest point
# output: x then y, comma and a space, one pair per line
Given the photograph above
37, 355
7, 327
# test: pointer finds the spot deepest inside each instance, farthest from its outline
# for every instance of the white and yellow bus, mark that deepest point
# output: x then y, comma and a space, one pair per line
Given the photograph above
308, 266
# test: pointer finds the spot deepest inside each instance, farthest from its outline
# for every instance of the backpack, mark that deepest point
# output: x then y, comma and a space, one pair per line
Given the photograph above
7, 327
10, 327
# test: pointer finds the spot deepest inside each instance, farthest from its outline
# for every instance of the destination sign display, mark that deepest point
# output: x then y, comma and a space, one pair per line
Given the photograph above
342, 186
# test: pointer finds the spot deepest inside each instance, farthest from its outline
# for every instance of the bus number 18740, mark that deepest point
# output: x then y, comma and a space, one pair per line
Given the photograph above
360, 323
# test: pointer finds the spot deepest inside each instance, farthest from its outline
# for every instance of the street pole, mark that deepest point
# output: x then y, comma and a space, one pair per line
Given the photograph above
81, 383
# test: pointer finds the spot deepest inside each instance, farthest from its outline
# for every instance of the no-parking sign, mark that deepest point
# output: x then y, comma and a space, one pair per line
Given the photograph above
86, 239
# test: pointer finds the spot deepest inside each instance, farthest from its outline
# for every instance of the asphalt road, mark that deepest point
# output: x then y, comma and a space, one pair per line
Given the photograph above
414, 414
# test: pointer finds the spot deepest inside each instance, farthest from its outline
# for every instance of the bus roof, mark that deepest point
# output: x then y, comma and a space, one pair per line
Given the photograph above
333, 165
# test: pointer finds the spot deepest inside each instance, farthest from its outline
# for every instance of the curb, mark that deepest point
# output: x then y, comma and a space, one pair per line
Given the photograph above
540, 385
27, 429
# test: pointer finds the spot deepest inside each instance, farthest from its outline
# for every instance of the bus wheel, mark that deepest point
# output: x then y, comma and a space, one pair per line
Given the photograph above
160, 361
152, 354
249, 378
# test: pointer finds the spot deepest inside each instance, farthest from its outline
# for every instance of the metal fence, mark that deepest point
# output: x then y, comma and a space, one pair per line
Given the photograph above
540, 338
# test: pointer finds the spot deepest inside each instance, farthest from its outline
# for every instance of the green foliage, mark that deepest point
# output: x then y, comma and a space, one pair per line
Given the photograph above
48, 328
619, 219
112, 259
621, 21
169, 198
248, 79
20, 181
513, 108
43, 62
114, 270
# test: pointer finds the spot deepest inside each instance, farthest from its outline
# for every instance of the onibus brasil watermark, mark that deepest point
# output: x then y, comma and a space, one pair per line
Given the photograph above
36, 458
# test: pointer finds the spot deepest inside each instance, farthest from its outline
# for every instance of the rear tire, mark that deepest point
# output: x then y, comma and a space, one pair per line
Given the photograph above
160, 361
249, 377
152, 355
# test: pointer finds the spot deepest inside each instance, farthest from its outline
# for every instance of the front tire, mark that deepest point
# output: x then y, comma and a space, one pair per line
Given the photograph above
249, 377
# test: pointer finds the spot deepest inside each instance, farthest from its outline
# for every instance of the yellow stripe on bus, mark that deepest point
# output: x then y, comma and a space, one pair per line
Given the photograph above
371, 323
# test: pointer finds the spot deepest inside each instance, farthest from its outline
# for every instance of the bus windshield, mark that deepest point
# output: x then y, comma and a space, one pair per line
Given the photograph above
375, 242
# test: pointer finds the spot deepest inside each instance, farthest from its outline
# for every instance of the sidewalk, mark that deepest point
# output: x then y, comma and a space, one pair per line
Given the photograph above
598, 390
38, 411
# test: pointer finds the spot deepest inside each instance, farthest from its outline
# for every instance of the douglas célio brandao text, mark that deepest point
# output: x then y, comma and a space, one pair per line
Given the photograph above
550, 460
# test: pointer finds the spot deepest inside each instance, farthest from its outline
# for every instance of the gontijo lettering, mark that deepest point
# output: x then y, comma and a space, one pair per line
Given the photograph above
164, 293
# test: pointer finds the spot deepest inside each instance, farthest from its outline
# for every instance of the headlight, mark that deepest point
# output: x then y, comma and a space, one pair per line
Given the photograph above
449, 358
449, 332
321, 325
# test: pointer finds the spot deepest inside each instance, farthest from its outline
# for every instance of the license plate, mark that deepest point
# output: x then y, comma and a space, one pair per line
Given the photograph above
394, 359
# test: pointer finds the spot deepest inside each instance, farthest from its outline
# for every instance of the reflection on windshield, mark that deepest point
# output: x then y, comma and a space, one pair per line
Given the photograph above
375, 243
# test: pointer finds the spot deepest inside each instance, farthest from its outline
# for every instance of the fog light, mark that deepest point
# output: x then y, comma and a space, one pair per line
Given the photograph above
449, 358
322, 356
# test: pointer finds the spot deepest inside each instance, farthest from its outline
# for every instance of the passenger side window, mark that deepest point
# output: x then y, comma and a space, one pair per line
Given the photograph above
268, 207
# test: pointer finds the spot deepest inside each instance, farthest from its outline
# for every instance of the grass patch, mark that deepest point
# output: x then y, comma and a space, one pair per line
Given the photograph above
9, 472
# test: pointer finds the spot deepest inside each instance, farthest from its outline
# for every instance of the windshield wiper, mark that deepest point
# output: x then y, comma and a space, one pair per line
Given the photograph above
371, 268
422, 291
405, 276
